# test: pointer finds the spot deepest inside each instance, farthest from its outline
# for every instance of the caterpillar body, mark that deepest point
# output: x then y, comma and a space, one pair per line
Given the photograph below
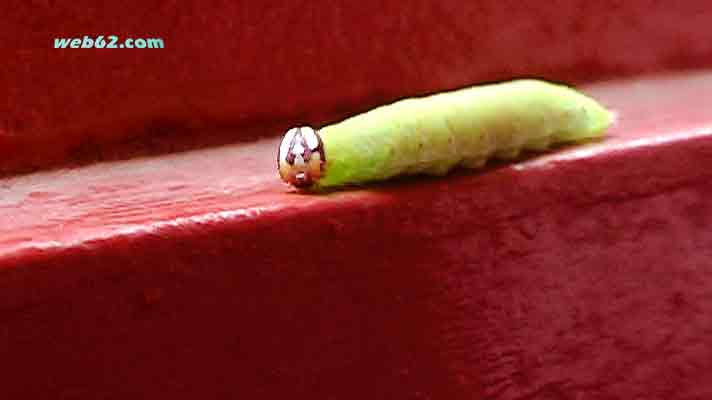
432, 135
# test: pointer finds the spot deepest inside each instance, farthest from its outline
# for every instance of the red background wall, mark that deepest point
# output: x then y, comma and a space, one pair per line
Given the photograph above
234, 70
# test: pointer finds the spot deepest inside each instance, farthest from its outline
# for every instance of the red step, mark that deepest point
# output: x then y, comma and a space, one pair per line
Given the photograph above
583, 273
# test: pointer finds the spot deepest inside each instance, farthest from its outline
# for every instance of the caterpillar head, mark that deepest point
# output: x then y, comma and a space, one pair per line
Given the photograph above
301, 159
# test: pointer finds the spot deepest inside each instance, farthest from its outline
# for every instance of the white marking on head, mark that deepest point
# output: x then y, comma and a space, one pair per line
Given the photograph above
298, 149
298, 160
286, 141
310, 137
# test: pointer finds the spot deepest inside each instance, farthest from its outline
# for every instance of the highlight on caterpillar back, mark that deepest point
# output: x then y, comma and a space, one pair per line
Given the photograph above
434, 134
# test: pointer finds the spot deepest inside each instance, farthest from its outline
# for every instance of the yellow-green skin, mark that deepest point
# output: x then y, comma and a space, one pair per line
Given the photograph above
432, 135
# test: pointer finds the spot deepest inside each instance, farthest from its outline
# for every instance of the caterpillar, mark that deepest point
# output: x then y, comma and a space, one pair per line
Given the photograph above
434, 134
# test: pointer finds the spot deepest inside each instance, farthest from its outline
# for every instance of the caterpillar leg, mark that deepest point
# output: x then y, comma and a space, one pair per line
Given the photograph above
539, 144
439, 170
474, 162
507, 154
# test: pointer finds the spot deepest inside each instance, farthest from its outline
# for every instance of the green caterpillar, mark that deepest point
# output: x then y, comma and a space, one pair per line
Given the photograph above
432, 135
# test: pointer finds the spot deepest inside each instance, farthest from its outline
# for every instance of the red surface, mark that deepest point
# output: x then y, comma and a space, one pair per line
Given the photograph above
228, 65
580, 274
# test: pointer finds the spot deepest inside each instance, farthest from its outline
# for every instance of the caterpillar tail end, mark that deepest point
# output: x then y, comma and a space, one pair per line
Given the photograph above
301, 158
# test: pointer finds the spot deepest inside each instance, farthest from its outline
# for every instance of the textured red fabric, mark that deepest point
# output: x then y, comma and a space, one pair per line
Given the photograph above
232, 64
580, 274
